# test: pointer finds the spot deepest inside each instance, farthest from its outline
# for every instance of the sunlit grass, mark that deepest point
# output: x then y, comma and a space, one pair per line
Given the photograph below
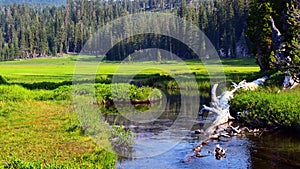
63, 69
35, 130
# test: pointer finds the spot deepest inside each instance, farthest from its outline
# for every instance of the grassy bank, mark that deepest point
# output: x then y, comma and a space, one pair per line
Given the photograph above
268, 107
40, 128
43, 134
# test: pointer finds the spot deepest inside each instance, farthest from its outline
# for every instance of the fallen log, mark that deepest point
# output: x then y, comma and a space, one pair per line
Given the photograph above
221, 126
225, 130
220, 104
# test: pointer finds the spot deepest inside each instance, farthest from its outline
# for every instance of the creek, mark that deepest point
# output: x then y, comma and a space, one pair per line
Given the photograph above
158, 144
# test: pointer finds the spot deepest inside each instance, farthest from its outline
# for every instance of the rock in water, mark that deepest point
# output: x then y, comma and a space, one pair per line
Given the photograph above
219, 152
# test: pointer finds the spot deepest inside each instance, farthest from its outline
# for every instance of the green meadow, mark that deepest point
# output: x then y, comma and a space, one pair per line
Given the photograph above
62, 69
39, 126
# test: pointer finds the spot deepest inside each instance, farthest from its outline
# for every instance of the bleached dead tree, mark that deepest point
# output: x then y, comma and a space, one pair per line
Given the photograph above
219, 127
220, 104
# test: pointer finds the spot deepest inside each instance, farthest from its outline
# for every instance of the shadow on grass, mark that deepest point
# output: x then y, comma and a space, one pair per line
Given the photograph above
239, 62
3, 80
153, 80
239, 76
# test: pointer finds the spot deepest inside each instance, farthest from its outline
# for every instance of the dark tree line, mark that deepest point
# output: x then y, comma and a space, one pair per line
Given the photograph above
28, 31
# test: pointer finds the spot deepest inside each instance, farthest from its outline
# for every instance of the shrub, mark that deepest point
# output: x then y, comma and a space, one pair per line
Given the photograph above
120, 136
103, 93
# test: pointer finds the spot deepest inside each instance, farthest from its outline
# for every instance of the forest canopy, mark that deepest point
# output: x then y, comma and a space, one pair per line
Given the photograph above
28, 31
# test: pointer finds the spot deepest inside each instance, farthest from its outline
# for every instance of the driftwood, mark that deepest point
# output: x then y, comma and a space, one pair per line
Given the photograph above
222, 126
220, 152
220, 104
225, 130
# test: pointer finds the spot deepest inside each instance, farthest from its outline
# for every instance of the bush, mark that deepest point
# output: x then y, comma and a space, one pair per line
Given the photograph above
266, 107
103, 92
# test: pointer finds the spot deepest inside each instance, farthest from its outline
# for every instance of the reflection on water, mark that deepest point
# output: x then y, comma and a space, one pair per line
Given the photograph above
153, 140
277, 150
173, 120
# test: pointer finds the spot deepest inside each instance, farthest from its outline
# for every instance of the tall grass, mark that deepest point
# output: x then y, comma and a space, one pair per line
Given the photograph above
98, 159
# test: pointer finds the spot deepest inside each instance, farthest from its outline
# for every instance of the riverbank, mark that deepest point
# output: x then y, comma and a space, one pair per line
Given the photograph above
45, 134
268, 106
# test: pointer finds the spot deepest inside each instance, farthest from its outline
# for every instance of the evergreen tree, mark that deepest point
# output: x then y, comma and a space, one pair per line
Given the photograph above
286, 16
292, 37
62, 29
259, 32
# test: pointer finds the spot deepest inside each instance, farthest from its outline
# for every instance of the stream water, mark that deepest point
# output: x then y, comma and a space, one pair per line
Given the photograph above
172, 149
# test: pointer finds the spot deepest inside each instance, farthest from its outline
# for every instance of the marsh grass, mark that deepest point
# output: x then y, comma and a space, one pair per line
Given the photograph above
18, 93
